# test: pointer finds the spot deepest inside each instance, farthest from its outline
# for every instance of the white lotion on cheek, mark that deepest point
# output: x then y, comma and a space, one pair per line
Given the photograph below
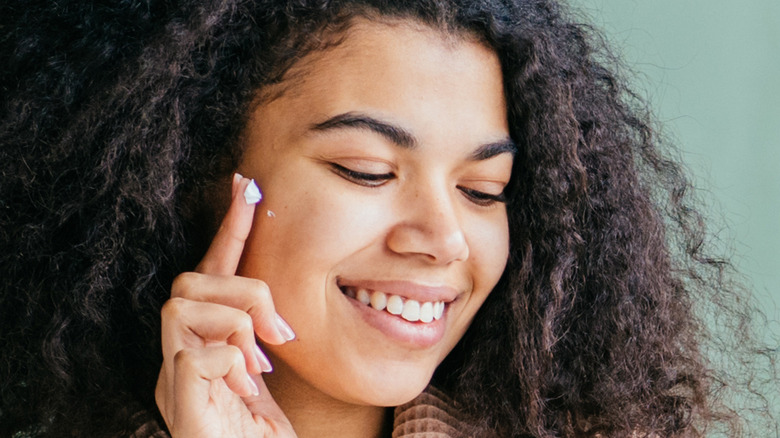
252, 193
270, 213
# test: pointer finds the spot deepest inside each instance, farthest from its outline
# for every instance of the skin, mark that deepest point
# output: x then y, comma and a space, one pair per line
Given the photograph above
384, 159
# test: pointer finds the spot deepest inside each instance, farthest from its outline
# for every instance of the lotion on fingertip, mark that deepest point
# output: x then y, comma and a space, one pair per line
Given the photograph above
252, 193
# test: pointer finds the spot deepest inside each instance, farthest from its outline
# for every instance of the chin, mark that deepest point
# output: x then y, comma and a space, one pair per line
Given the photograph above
389, 388
389, 395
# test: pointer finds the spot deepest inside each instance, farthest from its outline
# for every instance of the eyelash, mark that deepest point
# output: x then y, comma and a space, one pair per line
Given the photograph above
481, 198
377, 179
361, 178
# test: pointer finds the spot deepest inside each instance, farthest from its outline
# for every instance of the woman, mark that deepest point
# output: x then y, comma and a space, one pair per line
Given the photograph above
388, 190
454, 194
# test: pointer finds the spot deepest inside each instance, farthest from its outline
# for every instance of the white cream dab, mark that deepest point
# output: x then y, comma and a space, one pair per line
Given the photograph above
252, 193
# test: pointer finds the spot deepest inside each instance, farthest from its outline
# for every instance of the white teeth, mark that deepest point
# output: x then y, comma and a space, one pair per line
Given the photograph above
411, 311
426, 312
438, 310
395, 305
363, 297
378, 300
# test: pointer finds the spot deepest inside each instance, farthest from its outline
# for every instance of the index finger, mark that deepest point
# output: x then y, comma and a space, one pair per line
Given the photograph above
225, 251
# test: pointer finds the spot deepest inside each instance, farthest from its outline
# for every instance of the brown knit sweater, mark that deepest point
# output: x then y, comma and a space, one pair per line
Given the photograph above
431, 415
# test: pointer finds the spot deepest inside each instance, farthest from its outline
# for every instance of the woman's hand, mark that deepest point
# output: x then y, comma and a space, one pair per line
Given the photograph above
209, 384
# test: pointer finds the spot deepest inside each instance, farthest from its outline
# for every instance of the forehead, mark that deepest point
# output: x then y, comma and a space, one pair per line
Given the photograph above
398, 68
361, 32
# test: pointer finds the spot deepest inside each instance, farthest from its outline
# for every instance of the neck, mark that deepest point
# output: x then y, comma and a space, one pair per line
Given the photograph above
315, 414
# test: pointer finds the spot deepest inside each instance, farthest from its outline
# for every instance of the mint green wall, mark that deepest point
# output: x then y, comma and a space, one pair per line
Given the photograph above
711, 70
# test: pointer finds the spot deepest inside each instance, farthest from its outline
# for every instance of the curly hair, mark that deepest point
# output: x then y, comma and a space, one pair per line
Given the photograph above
119, 120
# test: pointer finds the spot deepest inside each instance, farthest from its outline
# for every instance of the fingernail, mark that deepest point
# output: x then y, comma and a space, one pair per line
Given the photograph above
236, 180
252, 193
265, 364
253, 385
284, 328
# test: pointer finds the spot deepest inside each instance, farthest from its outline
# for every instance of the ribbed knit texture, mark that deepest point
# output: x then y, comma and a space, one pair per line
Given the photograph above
430, 415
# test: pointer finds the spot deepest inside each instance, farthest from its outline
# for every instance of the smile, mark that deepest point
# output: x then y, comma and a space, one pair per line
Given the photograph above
408, 309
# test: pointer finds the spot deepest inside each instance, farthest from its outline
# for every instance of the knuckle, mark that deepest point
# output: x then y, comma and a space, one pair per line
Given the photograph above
245, 324
236, 356
260, 291
184, 283
185, 360
173, 309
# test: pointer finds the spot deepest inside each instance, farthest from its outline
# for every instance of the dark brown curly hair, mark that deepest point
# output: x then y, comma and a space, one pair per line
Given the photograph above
120, 118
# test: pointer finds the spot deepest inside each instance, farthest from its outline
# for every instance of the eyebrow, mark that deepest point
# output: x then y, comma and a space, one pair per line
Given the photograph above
394, 133
490, 150
402, 137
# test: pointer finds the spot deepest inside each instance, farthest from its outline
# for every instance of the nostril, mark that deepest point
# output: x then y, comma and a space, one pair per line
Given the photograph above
444, 244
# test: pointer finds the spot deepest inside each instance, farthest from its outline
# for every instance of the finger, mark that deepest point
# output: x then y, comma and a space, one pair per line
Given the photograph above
265, 405
247, 294
163, 394
197, 369
193, 324
225, 250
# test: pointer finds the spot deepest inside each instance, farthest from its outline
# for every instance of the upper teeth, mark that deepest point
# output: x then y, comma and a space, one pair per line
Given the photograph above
410, 310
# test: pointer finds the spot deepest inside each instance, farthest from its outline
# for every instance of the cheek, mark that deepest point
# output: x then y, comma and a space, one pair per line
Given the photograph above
312, 230
489, 251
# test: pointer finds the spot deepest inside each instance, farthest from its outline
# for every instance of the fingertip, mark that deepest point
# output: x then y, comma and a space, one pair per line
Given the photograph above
273, 330
253, 389
284, 329
262, 360
237, 177
224, 254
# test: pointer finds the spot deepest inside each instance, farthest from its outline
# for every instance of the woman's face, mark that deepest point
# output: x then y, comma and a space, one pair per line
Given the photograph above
382, 166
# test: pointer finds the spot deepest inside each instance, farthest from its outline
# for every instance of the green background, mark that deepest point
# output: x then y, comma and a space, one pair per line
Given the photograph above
711, 72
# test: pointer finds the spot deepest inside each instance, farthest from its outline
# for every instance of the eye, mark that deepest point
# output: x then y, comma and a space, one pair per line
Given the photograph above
362, 178
481, 198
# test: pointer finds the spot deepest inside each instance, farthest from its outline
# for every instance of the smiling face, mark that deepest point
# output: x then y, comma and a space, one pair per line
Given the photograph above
382, 166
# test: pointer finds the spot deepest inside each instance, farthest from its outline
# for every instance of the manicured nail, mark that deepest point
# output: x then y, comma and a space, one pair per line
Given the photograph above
252, 193
236, 181
265, 364
284, 328
253, 385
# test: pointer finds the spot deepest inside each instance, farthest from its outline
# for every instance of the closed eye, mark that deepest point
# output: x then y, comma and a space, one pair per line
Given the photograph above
362, 178
481, 198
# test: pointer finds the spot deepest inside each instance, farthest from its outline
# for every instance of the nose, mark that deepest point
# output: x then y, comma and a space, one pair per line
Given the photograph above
429, 227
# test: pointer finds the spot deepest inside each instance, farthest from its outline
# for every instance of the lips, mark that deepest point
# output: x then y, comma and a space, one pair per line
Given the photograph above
407, 308
411, 301
410, 313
